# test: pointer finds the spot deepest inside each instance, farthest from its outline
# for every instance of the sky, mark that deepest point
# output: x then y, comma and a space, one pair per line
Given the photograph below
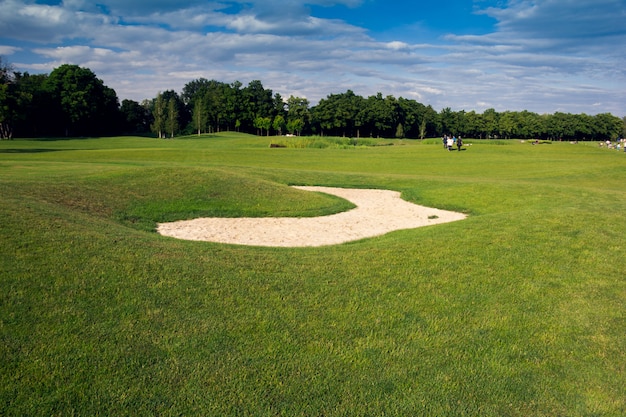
544, 56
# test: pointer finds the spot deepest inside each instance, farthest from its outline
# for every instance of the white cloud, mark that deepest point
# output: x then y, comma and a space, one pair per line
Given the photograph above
397, 45
8, 50
572, 25
33, 22
45, 24
267, 4
544, 54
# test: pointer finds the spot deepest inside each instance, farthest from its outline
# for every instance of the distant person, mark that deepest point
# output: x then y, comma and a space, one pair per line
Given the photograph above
459, 143
450, 143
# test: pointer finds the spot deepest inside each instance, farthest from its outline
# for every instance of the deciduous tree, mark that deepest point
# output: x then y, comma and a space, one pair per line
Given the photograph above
11, 100
200, 116
135, 117
295, 126
279, 124
87, 105
172, 117
159, 115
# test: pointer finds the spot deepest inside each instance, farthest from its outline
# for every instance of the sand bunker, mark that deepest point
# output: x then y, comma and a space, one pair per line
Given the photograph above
377, 212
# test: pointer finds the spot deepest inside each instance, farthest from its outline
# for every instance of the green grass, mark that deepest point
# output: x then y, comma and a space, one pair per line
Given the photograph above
323, 142
518, 310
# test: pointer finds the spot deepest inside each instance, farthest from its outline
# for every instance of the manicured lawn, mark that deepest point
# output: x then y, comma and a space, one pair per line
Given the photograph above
520, 310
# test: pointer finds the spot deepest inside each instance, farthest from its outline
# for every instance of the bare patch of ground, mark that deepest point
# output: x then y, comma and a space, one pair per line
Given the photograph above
377, 212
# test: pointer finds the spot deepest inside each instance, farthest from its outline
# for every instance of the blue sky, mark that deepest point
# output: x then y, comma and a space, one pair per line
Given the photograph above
539, 55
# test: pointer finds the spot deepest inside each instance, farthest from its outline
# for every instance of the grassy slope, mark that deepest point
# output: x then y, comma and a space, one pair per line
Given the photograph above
518, 310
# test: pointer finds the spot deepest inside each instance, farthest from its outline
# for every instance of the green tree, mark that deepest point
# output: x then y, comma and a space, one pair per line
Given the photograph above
183, 114
530, 125
460, 122
298, 112
559, 126
448, 121
338, 113
87, 105
423, 129
295, 126
584, 127
256, 102
490, 122
229, 106
159, 116
474, 125
386, 115
508, 125
279, 106
417, 119
377, 115
323, 114
200, 116
13, 100
135, 118
171, 120
607, 126
262, 123
38, 114
214, 98
400, 131
235, 99
279, 124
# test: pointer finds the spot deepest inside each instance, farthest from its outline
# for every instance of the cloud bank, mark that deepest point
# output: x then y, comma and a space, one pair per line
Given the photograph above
540, 55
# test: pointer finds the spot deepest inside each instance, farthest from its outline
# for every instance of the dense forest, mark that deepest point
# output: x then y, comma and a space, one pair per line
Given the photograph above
72, 101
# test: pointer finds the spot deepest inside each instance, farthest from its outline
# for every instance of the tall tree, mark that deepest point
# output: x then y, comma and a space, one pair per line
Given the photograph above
382, 113
423, 129
172, 117
490, 120
135, 117
279, 124
199, 116
256, 102
262, 123
38, 114
417, 119
474, 125
279, 106
87, 105
338, 113
298, 110
295, 126
448, 121
508, 125
608, 126
183, 114
11, 100
400, 131
159, 116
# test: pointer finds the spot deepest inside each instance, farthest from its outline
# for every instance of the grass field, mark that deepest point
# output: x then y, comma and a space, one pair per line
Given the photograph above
519, 310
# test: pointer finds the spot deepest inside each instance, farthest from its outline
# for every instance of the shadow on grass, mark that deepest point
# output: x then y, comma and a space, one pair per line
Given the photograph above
77, 138
31, 150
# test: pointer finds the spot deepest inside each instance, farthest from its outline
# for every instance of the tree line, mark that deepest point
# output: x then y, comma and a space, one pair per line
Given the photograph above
72, 101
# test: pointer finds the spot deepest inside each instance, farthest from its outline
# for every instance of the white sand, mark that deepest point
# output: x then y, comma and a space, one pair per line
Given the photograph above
377, 212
